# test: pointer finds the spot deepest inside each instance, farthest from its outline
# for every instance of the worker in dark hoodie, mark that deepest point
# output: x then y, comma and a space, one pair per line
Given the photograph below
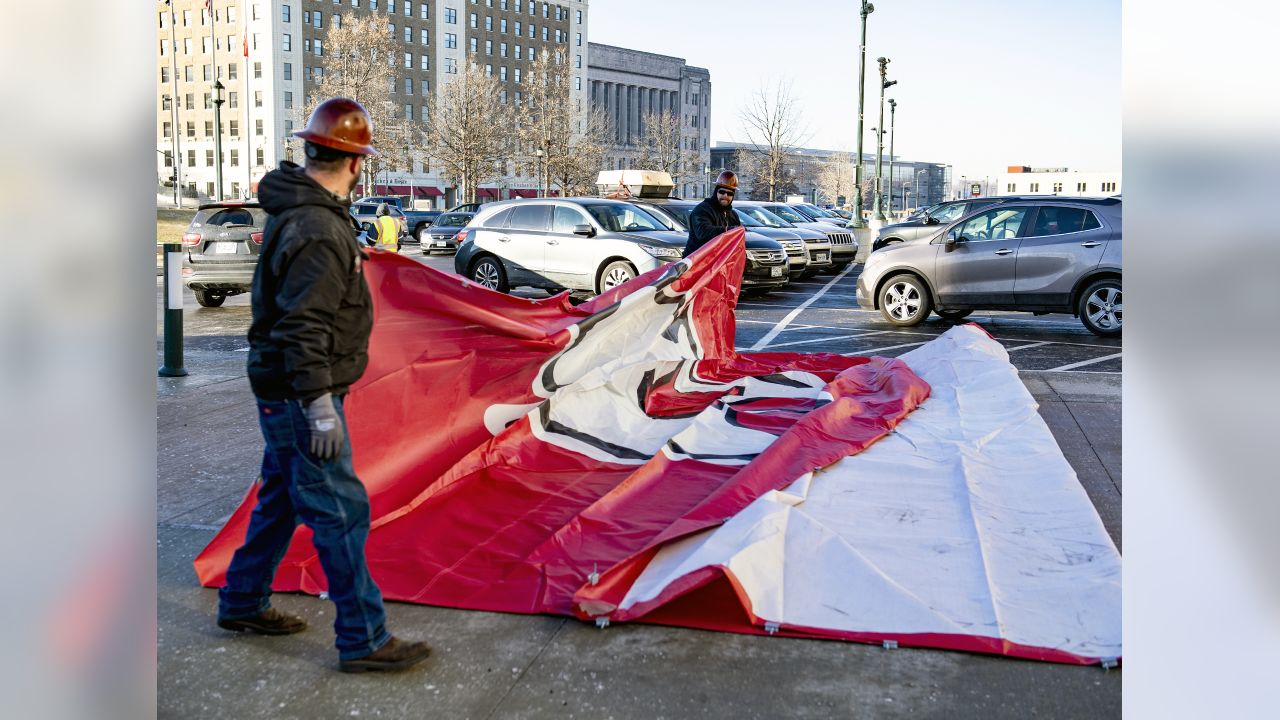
713, 215
308, 343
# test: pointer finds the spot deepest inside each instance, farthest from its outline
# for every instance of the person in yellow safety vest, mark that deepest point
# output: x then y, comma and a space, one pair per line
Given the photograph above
388, 229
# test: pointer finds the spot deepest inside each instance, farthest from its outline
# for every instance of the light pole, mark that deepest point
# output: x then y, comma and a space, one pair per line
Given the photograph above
541, 191
918, 174
885, 84
218, 137
706, 170
867, 9
893, 110
964, 187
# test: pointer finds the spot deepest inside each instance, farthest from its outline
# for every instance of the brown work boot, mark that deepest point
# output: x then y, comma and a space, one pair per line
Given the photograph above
267, 622
395, 655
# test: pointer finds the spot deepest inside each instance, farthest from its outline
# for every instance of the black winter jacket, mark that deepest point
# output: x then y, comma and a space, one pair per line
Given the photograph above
706, 221
312, 313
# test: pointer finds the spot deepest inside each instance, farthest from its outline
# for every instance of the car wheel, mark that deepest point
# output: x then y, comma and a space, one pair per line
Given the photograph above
487, 271
615, 274
904, 301
1102, 308
210, 298
954, 315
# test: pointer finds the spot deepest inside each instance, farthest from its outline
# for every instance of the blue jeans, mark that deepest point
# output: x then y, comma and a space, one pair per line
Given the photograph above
329, 499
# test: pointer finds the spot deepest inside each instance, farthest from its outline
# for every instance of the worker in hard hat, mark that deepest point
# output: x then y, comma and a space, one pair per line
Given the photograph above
715, 214
308, 344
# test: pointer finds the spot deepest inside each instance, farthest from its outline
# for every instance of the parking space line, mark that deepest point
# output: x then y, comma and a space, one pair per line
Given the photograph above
828, 338
1082, 363
1024, 347
784, 322
882, 349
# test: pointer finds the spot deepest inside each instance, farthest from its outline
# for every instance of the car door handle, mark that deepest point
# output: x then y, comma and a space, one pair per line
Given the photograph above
1003, 251
504, 239
1090, 244
553, 242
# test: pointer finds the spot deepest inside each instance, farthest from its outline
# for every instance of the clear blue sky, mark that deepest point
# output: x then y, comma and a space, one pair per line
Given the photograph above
981, 85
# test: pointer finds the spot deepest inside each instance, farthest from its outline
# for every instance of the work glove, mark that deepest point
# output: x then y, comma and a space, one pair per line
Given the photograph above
325, 427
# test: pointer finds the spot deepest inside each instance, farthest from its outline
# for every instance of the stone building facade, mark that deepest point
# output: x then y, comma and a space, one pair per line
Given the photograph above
626, 84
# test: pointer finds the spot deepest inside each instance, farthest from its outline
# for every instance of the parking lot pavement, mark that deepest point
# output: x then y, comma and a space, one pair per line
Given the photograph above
490, 665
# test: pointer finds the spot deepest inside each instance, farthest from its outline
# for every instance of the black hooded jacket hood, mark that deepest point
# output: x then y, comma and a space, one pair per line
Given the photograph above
312, 314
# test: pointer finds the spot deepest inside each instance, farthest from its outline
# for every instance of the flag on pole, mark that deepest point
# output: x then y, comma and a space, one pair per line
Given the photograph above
246, 42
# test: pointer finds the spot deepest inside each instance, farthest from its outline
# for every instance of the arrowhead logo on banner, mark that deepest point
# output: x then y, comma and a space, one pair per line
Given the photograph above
619, 460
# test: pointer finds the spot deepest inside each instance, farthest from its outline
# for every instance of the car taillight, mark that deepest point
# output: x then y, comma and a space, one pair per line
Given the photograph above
256, 237
461, 237
190, 239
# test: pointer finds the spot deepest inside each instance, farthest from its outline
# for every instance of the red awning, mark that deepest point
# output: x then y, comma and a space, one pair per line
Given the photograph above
523, 193
428, 192
554, 193
486, 192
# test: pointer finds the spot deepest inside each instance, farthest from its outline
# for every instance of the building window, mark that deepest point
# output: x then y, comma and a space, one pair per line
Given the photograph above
257, 127
577, 82
488, 23
488, 47
167, 130
519, 29
288, 100
284, 12
423, 12
533, 54
424, 37
546, 10
257, 98
408, 60
191, 158
475, 46
233, 99
451, 16
1011, 188
164, 75
208, 158
257, 71
488, 71
408, 112
424, 62
186, 18
544, 33
579, 17
288, 71
1080, 187
451, 66
502, 49
165, 102
502, 27
408, 34
186, 73
319, 47
475, 21
408, 8
579, 39
190, 101
518, 51
408, 86
1035, 187
208, 101
424, 86
231, 71
258, 157
451, 41
1057, 187
517, 76
533, 31
235, 162
207, 71
286, 43
168, 158
502, 75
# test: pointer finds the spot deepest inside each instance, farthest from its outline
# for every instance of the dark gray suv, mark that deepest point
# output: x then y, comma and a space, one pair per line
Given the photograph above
1048, 255
221, 246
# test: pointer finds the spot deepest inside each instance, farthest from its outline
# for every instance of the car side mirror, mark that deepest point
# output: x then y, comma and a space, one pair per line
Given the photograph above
953, 237
584, 230
930, 220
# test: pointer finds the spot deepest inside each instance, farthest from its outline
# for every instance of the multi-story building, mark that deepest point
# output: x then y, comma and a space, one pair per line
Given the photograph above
913, 183
1024, 180
630, 85
269, 55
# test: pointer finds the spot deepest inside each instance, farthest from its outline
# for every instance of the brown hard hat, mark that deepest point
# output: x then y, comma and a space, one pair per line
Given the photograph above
342, 124
726, 179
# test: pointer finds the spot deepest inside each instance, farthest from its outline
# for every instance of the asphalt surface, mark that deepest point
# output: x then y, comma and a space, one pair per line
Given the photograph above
493, 665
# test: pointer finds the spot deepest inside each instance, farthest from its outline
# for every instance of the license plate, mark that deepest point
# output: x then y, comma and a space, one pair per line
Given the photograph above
821, 257
224, 247
775, 271
441, 243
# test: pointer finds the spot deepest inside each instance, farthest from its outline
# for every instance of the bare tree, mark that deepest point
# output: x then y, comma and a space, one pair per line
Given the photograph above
835, 178
358, 65
470, 129
575, 172
572, 141
773, 128
660, 143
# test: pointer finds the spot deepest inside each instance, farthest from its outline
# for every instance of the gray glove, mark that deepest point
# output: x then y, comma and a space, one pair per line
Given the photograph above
325, 427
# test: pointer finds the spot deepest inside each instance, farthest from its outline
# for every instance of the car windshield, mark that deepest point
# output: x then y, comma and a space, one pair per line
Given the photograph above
747, 220
663, 215
679, 212
787, 213
623, 218
453, 220
765, 217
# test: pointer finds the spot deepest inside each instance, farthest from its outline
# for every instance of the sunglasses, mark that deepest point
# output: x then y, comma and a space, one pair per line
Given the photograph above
722, 191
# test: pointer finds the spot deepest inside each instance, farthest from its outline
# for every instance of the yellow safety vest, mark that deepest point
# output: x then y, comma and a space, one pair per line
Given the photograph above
388, 230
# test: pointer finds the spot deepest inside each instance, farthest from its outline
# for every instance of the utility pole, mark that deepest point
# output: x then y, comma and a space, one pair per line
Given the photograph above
867, 9
884, 85
176, 142
217, 101
893, 109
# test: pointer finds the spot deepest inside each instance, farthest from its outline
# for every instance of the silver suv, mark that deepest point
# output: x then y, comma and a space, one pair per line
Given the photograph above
1052, 255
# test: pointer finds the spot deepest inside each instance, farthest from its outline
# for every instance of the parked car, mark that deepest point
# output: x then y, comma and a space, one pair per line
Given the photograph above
222, 244
844, 248
416, 221
817, 246
818, 214
585, 244
1048, 255
926, 224
366, 213
845, 214
466, 207
443, 233
758, 276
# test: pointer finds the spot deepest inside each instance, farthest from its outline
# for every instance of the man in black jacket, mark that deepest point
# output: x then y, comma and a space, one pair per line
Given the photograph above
713, 215
308, 344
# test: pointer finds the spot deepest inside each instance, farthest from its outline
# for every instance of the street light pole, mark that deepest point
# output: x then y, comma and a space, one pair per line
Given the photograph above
893, 109
177, 146
885, 83
217, 136
867, 9
541, 190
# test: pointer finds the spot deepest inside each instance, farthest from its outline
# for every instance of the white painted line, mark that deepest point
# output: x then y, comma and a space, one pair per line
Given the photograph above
829, 338
784, 322
882, 349
1082, 363
1024, 347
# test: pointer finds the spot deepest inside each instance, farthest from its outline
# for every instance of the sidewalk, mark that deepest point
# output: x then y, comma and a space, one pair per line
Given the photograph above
490, 665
